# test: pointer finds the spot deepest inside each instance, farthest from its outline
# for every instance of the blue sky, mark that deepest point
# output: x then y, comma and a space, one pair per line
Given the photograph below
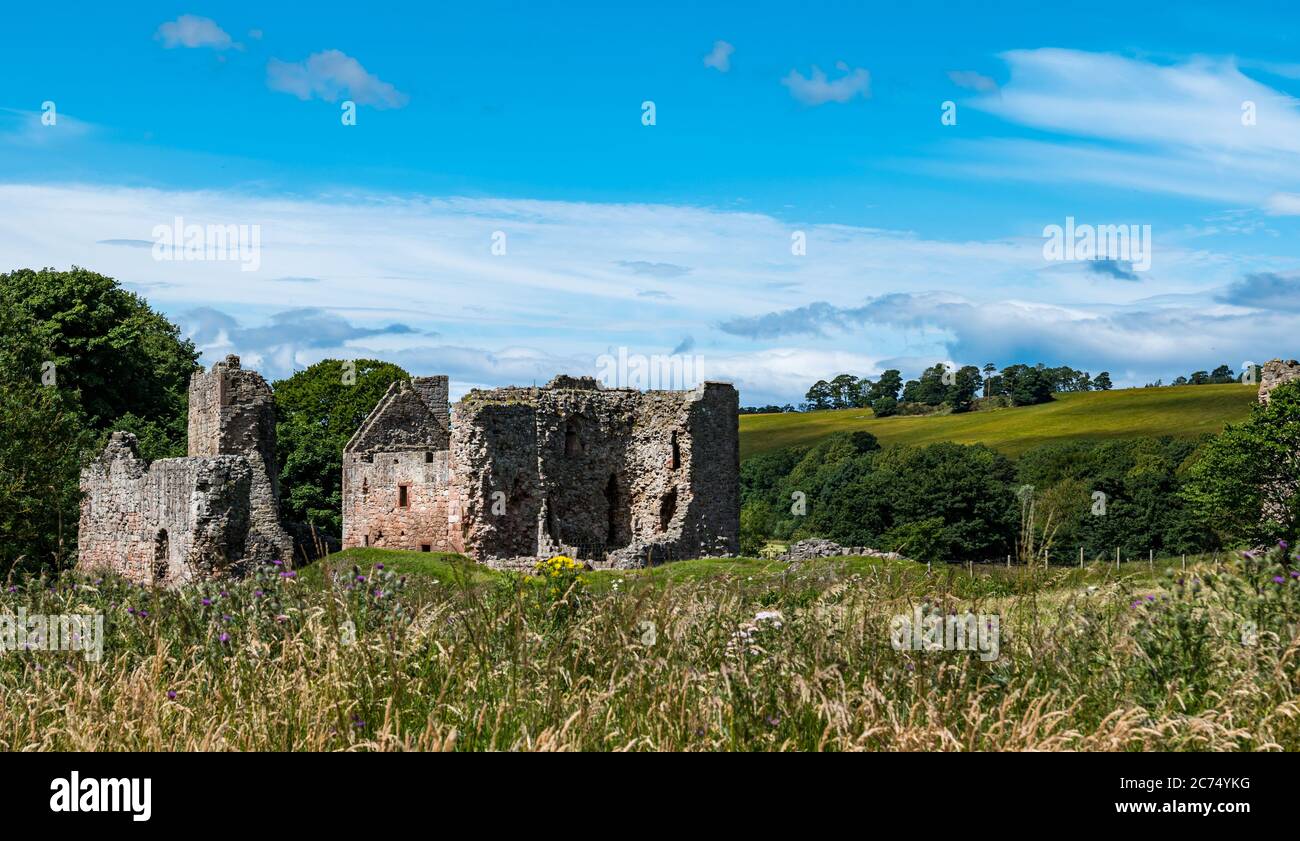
924, 239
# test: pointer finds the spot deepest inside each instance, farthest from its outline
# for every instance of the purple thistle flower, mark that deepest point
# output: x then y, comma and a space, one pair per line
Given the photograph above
1277, 579
227, 618
224, 637
379, 566
207, 602
171, 694
257, 593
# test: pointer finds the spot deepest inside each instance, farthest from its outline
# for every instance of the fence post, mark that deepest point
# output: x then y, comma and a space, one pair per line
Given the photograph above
1080, 557
1008, 562
1116, 557
1184, 562
1151, 558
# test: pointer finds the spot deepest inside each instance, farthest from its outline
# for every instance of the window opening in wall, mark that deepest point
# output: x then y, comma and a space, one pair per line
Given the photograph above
161, 551
572, 443
401, 496
675, 458
667, 508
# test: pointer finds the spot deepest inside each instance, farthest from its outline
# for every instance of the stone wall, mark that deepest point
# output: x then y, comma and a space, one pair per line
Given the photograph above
395, 471
232, 412
215, 512
1274, 373
167, 522
616, 477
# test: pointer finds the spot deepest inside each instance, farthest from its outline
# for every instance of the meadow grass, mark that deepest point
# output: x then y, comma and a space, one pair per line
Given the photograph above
1181, 411
433, 653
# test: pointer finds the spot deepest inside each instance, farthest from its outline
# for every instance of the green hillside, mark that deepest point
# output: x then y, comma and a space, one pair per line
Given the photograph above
1127, 413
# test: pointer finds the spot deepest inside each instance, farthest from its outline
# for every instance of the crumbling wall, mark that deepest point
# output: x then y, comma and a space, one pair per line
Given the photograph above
232, 412
215, 512
495, 498
616, 477
395, 471
1274, 373
164, 523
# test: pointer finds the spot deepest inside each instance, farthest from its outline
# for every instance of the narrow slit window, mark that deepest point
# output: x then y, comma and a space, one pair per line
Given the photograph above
402, 501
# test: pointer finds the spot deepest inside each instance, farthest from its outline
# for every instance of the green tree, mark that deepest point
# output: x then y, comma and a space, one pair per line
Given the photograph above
1244, 482
41, 444
887, 386
961, 394
318, 410
1101, 382
107, 347
819, 396
843, 391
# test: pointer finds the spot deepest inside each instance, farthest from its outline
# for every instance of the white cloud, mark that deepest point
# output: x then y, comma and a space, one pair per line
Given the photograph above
193, 31
1200, 128
817, 89
719, 58
573, 285
330, 75
973, 81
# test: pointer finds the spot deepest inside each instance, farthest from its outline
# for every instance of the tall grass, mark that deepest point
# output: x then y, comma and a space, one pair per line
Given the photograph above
364, 659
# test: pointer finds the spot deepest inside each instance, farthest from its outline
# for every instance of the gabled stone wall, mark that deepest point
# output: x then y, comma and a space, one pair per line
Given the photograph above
395, 470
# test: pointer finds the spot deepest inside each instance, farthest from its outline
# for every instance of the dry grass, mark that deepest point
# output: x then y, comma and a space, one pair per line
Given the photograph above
511, 664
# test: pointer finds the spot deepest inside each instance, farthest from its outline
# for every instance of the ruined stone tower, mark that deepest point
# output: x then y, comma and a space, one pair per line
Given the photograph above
211, 513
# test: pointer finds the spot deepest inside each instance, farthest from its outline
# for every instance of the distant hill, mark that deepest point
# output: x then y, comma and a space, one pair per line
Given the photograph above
1185, 411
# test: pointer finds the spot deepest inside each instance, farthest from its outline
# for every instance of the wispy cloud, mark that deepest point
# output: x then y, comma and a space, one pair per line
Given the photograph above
1266, 291
193, 31
971, 80
373, 275
1198, 128
719, 58
644, 267
817, 89
331, 75
1118, 269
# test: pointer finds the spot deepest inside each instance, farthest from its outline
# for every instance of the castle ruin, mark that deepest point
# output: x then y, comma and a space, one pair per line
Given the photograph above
616, 477
208, 514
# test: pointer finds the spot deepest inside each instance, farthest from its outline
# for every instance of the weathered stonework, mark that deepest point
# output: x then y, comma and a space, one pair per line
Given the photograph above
395, 471
1274, 373
211, 513
615, 477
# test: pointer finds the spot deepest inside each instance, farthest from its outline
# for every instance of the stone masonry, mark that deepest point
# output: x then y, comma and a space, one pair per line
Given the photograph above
211, 513
1274, 373
395, 471
614, 477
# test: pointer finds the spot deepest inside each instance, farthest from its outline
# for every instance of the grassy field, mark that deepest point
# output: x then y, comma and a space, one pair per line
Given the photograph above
1129, 413
384, 650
